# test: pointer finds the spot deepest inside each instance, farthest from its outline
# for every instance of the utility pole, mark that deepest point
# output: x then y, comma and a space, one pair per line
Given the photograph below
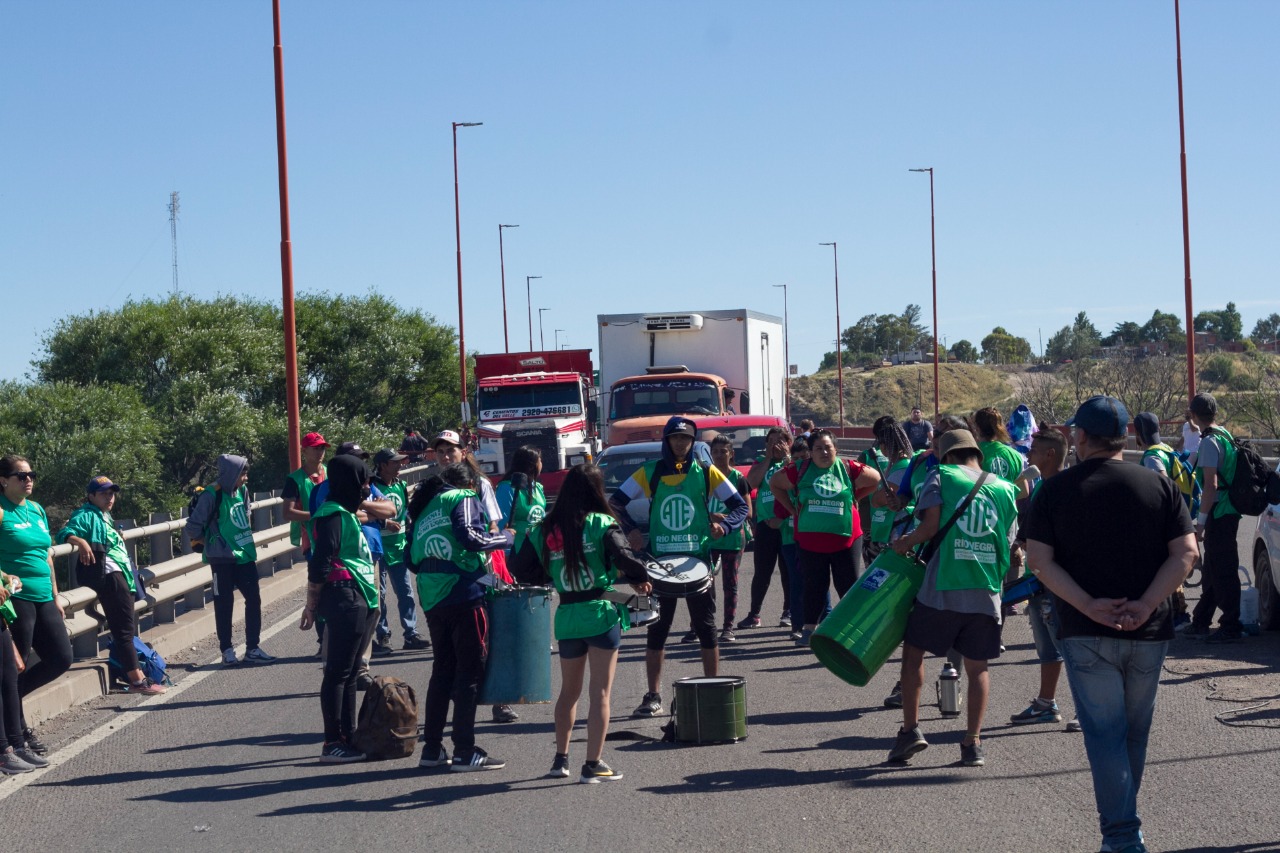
173, 236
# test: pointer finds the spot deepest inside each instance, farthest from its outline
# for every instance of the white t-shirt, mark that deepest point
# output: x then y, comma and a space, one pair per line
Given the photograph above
1190, 437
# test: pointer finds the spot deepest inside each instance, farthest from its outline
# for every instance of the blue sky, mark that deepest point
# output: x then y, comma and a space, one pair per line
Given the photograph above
657, 156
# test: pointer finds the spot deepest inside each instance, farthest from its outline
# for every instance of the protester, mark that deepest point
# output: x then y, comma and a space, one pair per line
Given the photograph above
413, 445
40, 623
958, 606
891, 460
769, 533
826, 527
449, 544
1111, 541
391, 567
16, 755
520, 496
806, 428
298, 487
1190, 436
727, 552
341, 587
1217, 525
580, 548
918, 430
105, 567
1164, 460
219, 527
791, 552
998, 454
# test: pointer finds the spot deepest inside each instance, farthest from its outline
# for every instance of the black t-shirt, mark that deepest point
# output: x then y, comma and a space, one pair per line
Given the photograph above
917, 433
1110, 524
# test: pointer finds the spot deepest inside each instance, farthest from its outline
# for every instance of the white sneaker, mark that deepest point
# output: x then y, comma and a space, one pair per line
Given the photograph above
257, 655
229, 658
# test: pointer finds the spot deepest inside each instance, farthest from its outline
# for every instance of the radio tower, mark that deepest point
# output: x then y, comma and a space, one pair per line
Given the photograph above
173, 236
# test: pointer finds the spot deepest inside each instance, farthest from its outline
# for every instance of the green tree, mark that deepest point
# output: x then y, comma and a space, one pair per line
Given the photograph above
1162, 328
1074, 342
1266, 330
1227, 324
1127, 333
964, 352
1000, 347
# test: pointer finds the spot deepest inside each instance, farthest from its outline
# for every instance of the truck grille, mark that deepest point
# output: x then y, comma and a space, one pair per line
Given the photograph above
543, 435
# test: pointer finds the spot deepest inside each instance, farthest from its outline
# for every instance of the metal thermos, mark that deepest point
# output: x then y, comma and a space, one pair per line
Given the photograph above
949, 691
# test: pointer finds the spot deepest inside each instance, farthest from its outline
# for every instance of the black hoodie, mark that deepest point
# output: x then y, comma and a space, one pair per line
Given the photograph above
347, 476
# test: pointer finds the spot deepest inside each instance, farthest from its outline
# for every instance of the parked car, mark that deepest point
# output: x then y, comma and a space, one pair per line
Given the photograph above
1266, 559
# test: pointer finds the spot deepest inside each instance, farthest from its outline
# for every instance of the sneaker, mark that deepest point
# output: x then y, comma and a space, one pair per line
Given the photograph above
433, 757
784, 621
691, 637
31, 758
795, 635
650, 706
752, 621
257, 655
34, 743
600, 773
146, 687
364, 682
726, 636
229, 658
11, 764
803, 639
1039, 711
894, 699
1224, 635
1074, 726
971, 754
381, 650
559, 767
478, 760
907, 744
1191, 630
413, 642
504, 714
340, 753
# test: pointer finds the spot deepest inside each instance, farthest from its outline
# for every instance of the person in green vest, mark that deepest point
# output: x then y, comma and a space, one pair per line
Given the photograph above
298, 487
1216, 525
520, 496
105, 567
342, 587
449, 545
580, 548
219, 525
391, 565
999, 456
727, 552
958, 605
891, 459
769, 529
15, 756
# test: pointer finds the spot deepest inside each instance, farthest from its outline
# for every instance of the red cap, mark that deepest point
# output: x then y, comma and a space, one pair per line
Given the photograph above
314, 439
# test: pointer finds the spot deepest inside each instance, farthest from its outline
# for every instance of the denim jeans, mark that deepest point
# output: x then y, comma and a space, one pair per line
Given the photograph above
795, 579
399, 575
1114, 685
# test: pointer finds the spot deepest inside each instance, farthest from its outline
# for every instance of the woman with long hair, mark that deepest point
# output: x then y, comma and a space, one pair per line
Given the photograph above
581, 549
998, 454
520, 495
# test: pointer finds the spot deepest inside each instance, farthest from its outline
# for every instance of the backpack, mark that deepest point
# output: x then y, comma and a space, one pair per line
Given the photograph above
387, 726
149, 661
1255, 486
197, 545
1180, 471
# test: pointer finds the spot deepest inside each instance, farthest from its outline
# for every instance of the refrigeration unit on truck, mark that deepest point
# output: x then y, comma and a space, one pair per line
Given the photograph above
656, 365
545, 400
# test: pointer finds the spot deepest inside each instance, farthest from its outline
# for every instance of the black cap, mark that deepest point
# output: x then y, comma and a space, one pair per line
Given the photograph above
350, 448
386, 455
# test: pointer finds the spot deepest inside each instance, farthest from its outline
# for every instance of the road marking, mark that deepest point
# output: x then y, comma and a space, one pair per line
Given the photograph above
129, 715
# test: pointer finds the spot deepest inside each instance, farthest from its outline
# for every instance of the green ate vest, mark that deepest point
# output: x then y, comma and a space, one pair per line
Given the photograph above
305, 486
1226, 473
585, 618
975, 554
882, 517
678, 519
433, 537
393, 543
1001, 460
233, 527
825, 499
736, 540
96, 526
526, 510
764, 495
354, 551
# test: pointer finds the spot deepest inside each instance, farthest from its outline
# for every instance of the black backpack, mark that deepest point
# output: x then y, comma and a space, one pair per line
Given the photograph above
1255, 485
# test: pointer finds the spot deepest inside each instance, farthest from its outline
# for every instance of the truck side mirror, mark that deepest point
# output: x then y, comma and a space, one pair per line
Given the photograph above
593, 412
744, 401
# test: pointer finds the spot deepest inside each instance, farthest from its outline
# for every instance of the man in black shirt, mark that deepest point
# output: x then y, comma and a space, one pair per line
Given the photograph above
1111, 541
918, 430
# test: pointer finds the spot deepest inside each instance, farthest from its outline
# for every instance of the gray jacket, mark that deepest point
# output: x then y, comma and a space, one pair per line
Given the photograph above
203, 521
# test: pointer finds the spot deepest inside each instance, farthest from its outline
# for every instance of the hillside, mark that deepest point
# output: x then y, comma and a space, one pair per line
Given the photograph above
872, 392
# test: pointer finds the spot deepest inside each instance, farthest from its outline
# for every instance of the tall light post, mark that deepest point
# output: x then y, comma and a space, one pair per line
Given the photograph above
933, 253
286, 258
835, 257
457, 231
528, 296
502, 265
558, 331
1186, 221
786, 355
542, 339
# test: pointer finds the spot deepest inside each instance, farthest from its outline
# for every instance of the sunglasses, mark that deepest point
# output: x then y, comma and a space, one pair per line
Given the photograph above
24, 475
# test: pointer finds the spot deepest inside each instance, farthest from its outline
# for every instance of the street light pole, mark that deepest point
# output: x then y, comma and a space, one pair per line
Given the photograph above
1186, 221
558, 331
786, 355
286, 258
528, 297
502, 265
542, 339
933, 252
457, 230
835, 256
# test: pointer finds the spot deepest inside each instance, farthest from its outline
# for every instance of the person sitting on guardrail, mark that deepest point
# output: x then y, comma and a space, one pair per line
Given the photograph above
105, 568
219, 528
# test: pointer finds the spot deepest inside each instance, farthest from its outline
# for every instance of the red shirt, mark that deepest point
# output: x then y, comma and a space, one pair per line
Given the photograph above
826, 543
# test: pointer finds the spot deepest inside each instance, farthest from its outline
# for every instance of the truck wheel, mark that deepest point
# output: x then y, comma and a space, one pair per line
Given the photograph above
1268, 595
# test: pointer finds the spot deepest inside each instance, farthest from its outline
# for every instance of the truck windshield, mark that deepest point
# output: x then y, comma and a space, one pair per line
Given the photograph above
498, 402
664, 397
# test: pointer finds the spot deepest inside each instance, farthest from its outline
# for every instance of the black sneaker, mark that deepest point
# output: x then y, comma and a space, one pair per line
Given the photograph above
907, 744
894, 699
691, 637
34, 743
559, 768
727, 636
784, 621
1224, 635
382, 650
477, 760
413, 642
752, 621
971, 754
504, 714
338, 752
600, 773
650, 706
1192, 631
433, 757
364, 682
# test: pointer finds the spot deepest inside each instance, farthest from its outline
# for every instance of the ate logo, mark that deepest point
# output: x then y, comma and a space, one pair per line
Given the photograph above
536, 514
827, 486
240, 516
438, 547
980, 518
676, 512
1000, 467
398, 503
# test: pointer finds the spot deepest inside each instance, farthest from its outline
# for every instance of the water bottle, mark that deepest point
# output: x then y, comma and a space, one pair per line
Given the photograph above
1248, 605
949, 691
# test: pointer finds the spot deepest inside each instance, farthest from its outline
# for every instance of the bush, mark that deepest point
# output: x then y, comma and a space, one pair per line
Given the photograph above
1218, 370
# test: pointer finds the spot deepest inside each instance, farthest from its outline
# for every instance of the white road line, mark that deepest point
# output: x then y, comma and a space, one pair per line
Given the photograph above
129, 715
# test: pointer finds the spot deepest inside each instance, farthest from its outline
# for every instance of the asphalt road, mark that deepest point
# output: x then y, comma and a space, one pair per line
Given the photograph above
228, 762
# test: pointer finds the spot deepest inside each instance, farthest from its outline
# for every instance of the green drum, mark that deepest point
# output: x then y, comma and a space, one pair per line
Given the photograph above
519, 667
858, 636
711, 709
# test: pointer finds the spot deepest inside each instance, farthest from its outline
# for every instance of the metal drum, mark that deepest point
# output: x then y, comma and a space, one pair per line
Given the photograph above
711, 709
678, 575
519, 667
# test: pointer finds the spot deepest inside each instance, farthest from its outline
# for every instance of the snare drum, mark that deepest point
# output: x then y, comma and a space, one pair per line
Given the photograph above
678, 575
641, 609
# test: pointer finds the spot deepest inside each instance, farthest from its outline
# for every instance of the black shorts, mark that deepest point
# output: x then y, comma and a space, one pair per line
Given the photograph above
974, 635
577, 647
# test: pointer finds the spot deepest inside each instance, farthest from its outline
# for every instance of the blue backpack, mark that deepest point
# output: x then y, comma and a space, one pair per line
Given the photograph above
149, 661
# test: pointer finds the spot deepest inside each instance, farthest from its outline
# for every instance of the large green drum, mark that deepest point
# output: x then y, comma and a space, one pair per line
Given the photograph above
519, 667
858, 636
711, 709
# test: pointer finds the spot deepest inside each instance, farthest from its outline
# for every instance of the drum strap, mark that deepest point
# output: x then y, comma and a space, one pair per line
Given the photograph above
578, 597
932, 546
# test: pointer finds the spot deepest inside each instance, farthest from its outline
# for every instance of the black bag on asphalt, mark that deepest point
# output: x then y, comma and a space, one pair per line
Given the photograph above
1255, 485
387, 726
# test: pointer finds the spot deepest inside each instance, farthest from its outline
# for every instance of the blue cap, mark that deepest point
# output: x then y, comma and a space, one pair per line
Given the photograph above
101, 484
1101, 416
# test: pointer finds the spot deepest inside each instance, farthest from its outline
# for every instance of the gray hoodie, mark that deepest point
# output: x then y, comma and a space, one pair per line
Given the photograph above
203, 518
